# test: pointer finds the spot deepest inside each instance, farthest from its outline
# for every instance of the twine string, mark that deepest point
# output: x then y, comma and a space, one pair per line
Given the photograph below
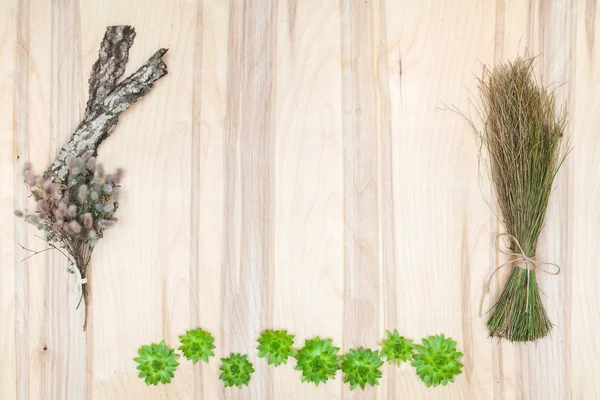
523, 261
78, 289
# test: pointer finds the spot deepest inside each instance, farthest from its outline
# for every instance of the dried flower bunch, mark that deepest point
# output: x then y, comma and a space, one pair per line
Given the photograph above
524, 134
74, 216
76, 199
319, 360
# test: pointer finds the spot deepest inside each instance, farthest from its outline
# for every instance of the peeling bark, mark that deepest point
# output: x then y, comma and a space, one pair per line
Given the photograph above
112, 59
107, 99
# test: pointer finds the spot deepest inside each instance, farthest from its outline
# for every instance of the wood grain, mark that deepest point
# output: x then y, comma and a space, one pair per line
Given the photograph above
14, 376
297, 169
360, 136
248, 240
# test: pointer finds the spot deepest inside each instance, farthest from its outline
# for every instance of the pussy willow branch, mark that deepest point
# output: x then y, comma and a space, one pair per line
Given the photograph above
107, 99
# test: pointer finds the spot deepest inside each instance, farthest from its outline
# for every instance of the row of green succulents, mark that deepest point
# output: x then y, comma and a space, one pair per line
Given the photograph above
436, 359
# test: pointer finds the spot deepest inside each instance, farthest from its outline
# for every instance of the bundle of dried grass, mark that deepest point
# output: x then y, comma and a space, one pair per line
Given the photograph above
524, 134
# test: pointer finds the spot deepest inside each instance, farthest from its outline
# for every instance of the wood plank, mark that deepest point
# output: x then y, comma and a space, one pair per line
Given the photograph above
361, 189
12, 296
546, 31
512, 39
66, 339
35, 140
195, 195
141, 279
208, 182
580, 270
309, 224
441, 218
249, 142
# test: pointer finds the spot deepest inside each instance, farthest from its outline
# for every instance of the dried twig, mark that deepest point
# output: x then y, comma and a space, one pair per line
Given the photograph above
107, 98
110, 66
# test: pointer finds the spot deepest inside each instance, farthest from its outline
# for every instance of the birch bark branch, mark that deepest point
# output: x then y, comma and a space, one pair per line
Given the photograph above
107, 99
112, 60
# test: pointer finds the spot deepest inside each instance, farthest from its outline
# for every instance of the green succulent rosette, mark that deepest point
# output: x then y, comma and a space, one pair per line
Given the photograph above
397, 349
318, 360
197, 345
436, 360
276, 346
236, 370
156, 363
361, 367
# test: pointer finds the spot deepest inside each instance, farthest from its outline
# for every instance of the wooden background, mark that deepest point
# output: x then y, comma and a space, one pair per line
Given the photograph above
296, 169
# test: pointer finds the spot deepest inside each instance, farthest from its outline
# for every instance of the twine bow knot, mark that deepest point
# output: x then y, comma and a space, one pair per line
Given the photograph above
78, 289
523, 260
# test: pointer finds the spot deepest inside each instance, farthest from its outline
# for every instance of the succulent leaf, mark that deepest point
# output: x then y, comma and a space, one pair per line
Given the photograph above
156, 363
436, 360
276, 346
361, 367
397, 349
236, 370
197, 344
318, 360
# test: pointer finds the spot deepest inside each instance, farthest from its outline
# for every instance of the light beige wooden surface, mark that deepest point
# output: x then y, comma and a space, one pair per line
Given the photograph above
296, 169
